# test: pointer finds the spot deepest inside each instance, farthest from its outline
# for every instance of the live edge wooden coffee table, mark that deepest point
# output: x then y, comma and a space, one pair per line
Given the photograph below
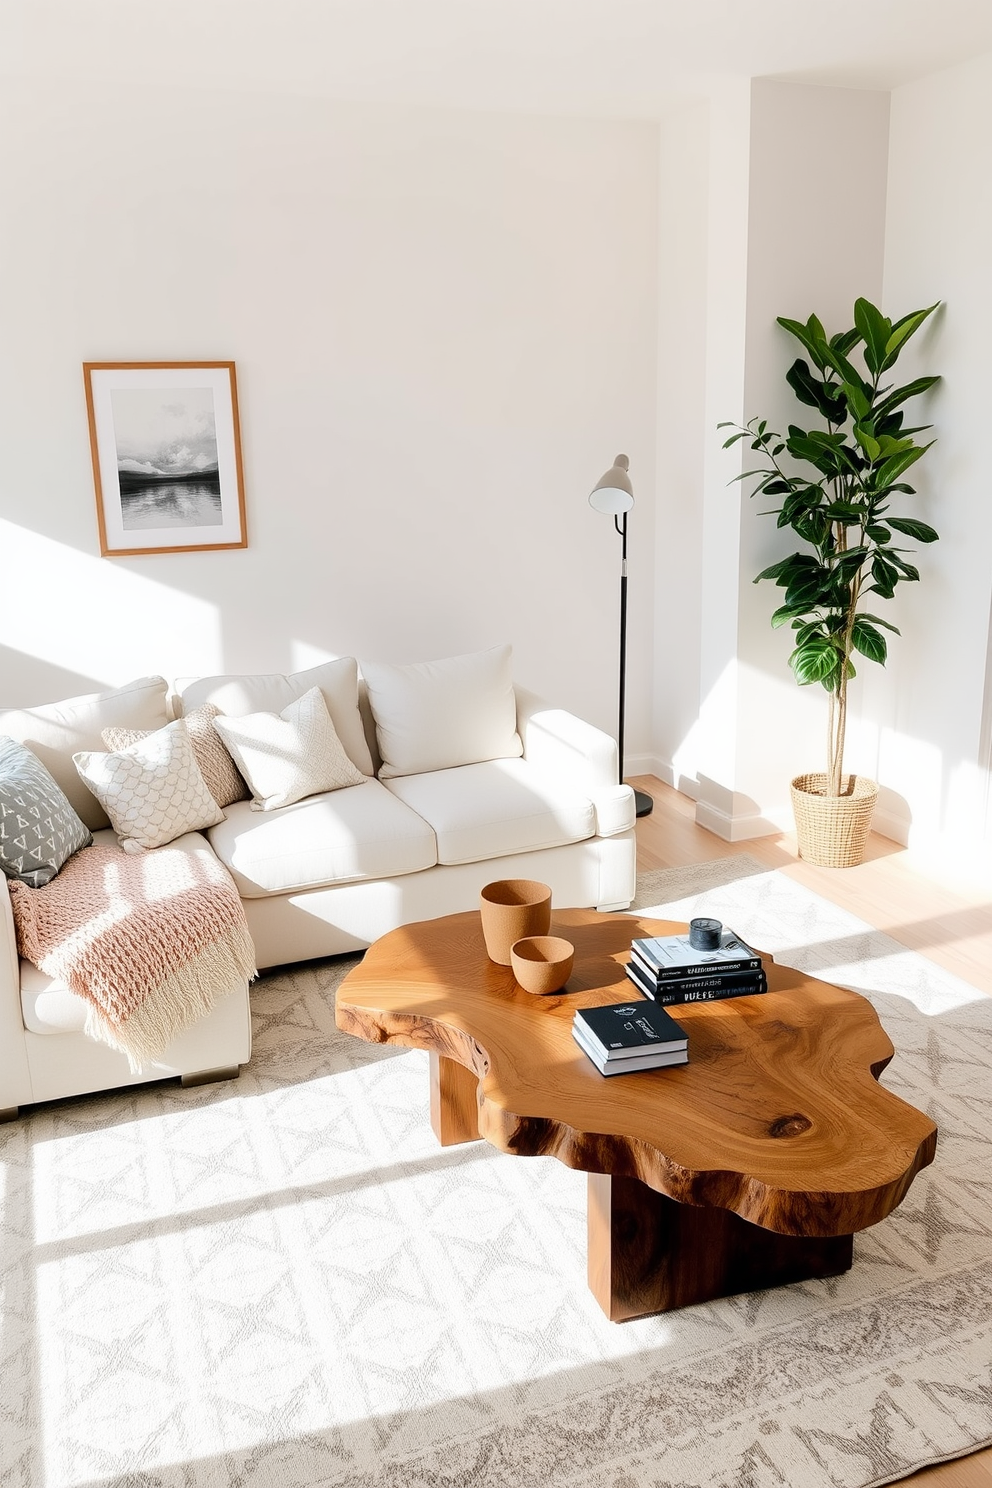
749, 1167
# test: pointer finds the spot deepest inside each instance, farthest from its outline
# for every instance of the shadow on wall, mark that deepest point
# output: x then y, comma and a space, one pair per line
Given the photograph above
27, 682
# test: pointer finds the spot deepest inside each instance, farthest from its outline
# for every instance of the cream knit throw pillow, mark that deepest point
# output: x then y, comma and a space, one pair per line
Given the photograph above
153, 791
286, 756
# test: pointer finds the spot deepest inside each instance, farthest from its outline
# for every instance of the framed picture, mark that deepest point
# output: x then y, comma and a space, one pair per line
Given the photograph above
166, 447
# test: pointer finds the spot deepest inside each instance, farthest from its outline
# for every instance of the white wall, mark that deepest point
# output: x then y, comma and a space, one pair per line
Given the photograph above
779, 159
444, 327
939, 246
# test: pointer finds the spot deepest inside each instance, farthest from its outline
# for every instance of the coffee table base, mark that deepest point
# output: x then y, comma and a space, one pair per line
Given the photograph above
648, 1253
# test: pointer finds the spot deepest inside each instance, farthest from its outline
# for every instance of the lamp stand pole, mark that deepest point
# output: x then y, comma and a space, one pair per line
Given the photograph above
643, 804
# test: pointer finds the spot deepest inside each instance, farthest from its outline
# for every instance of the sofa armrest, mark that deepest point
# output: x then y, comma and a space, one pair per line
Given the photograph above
15, 1081
575, 753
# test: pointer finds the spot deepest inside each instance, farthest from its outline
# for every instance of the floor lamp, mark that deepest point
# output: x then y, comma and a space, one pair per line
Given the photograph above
614, 495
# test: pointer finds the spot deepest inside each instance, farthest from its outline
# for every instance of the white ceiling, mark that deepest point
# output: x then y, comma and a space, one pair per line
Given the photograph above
595, 57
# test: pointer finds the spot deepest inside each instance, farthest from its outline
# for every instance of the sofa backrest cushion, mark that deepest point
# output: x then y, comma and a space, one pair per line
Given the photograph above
56, 731
39, 830
436, 715
236, 696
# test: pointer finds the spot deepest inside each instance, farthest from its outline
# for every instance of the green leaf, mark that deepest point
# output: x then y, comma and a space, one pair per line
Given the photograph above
849, 373
814, 662
845, 341
885, 575
907, 570
891, 469
869, 641
816, 393
902, 330
787, 612
911, 390
877, 620
859, 401
912, 528
877, 533
811, 335
876, 331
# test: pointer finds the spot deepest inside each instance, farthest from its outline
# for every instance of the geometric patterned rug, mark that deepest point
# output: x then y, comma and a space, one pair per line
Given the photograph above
284, 1282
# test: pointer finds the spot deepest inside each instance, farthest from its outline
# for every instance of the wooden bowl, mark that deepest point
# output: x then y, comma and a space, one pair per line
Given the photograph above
512, 908
542, 963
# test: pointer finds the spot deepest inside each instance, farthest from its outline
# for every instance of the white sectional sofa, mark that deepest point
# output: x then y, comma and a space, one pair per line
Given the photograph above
330, 873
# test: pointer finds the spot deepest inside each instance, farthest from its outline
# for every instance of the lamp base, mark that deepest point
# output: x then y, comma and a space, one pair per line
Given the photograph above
643, 803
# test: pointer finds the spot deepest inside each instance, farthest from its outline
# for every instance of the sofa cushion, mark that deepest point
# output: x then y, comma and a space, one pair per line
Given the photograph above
39, 830
152, 791
57, 731
224, 780
495, 808
271, 692
361, 832
435, 715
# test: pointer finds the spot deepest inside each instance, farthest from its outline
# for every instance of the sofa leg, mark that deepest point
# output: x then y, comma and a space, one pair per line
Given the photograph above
208, 1077
613, 908
9, 1113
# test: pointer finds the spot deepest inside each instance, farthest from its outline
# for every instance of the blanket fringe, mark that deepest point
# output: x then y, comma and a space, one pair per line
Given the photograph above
181, 999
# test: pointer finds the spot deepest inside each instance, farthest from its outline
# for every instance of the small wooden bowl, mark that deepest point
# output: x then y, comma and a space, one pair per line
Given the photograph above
542, 963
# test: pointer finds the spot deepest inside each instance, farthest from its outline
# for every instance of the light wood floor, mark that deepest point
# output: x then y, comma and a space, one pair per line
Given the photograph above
943, 911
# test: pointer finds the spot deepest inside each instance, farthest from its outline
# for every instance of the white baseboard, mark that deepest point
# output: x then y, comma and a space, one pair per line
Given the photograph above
737, 828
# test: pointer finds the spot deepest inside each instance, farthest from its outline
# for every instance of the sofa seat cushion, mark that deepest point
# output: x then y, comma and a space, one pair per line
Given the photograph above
341, 836
495, 808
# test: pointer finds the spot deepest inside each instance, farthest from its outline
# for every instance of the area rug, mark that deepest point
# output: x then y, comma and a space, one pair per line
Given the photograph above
283, 1282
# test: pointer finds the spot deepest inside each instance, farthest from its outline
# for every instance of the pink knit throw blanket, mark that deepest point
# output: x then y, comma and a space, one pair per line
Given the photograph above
150, 940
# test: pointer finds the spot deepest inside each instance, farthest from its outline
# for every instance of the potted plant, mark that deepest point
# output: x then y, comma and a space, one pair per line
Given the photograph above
835, 487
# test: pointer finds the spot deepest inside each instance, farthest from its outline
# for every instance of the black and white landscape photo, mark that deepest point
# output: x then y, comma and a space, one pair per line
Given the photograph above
167, 465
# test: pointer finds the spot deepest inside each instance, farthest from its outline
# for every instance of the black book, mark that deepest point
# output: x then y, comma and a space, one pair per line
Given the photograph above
627, 1066
699, 989
721, 981
671, 956
711, 975
641, 1027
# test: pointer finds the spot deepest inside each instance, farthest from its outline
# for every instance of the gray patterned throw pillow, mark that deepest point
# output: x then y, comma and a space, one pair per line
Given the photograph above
39, 830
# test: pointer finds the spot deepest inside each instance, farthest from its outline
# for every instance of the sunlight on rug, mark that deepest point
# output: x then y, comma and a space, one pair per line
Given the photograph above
286, 1282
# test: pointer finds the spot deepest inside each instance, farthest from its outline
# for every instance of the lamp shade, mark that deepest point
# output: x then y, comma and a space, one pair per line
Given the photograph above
613, 493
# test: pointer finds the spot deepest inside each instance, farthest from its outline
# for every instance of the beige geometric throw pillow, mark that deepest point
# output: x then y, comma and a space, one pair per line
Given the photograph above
153, 791
224, 781
289, 755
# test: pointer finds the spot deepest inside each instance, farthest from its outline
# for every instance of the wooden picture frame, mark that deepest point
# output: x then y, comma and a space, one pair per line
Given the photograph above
166, 444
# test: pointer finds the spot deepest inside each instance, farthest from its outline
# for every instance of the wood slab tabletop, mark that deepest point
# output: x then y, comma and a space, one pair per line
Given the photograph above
778, 1116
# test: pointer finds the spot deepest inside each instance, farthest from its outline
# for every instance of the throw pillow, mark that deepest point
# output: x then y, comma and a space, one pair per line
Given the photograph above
152, 791
55, 731
289, 755
224, 780
434, 715
270, 692
39, 830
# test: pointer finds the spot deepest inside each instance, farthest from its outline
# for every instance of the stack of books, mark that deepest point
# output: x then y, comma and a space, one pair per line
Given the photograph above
669, 970
629, 1036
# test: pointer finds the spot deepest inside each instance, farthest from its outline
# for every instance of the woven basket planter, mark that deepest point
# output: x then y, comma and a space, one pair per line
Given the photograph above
833, 830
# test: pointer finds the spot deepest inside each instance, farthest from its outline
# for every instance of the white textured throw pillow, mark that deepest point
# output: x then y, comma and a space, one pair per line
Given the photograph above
153, 791
238, 695
434, 715
286, 756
